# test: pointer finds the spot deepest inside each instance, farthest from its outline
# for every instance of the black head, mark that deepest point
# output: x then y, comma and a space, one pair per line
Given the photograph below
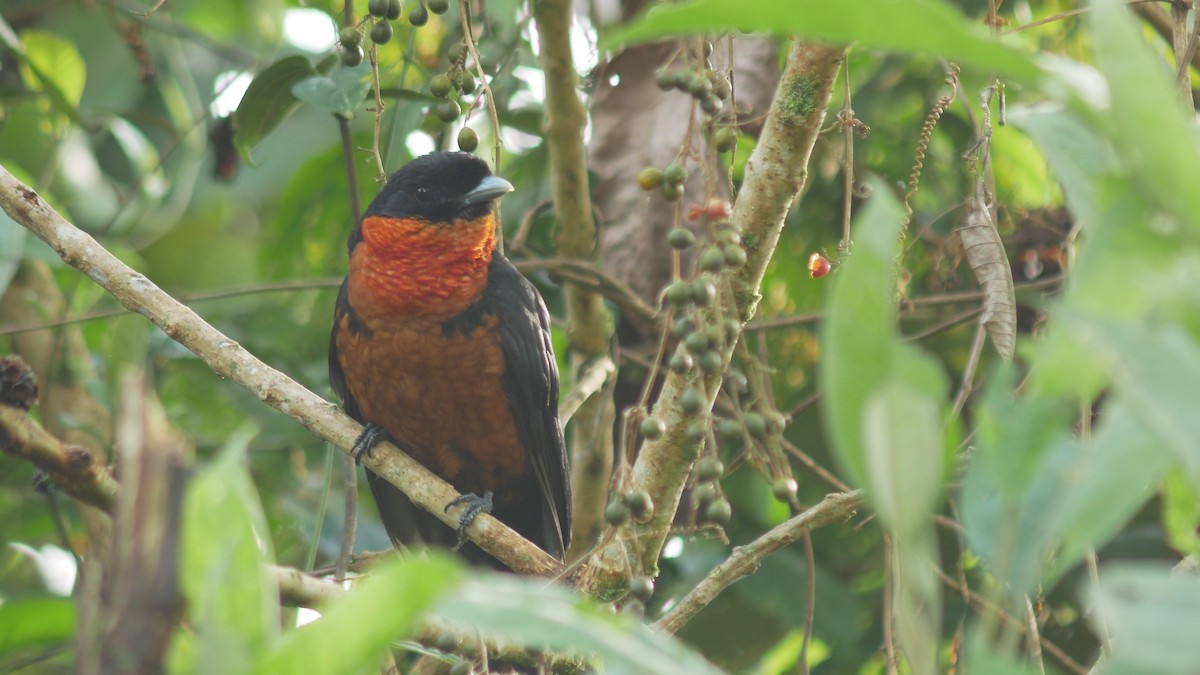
440, 187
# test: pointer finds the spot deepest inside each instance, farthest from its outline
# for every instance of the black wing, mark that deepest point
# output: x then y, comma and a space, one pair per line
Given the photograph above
531, 383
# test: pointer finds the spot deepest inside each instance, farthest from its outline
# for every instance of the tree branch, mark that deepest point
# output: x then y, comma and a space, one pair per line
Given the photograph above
589, 325
745, 560
229, 359
773, 178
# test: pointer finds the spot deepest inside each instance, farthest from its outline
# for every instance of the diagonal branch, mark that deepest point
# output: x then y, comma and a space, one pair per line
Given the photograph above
773, 178
745, 559
229, 359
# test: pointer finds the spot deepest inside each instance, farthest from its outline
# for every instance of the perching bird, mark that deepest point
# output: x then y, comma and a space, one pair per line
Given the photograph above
440, 345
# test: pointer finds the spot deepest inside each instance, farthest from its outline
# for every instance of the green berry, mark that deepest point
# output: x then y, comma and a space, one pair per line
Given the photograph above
653, 428
682, 327
710, 104
378, 8
784, 489
650, 178
710, 362
641, 588
352, 56
736, 379
418, 15
735, 256
438, 6
696, 342
680, 238
349, 37
703, 292
694, 84
725, 138
729, 430
381, 32
666, 79
721, 87
707, 49
439, 85
675, 174
466, 81
756, 424
468, 140
712, 260
703, 495
672, 191
679, 294
641, 507
394, 9
680, 362
694, 433
691, 400
709, 468
616, 513
718, 512
448, 110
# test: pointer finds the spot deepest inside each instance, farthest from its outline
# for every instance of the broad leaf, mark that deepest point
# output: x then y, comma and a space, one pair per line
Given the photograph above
1150, 615
913, 26
232, 604
352, 634
268, 101
539, 616
35, 624
340, 93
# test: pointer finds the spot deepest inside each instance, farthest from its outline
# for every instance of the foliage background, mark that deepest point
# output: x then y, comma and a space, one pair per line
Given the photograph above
132, 157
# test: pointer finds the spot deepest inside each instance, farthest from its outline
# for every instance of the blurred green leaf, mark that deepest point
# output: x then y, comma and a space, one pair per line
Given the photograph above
353, 633
268, 101
542, 616
903, 452
1150, 615
35, 623
913, 26
1144, 119
858, 338
52, 64
1075, 496
232, 604
1181, 512
340, 93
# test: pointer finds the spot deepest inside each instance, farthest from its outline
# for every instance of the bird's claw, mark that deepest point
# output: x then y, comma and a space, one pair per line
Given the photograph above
372, 435
475, 505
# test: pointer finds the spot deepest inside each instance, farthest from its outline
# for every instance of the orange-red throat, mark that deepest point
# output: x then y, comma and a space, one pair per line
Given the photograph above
415, 267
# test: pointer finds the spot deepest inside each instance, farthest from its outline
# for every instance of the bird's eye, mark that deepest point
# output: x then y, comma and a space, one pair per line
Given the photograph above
422, 194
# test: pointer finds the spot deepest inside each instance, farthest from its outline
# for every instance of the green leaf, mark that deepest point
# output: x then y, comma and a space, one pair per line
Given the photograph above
268, 101
539, 616
353, 633
340, 93
38, 623
1144, 117
913, 26
1076, 495
902, 439
1181, 512
1150, 615
232, 603
52, 64
859, 336
12, 246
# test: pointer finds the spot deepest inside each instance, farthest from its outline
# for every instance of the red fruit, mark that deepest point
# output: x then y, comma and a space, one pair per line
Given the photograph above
717, 209
694, 212
818, 265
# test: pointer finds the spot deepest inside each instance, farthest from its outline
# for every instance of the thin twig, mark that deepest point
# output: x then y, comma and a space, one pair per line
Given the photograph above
746, 559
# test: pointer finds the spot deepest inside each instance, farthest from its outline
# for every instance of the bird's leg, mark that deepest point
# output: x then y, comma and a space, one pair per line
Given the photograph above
372, 435
475, 506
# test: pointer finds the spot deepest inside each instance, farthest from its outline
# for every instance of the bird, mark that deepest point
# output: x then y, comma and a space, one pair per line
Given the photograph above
441, 346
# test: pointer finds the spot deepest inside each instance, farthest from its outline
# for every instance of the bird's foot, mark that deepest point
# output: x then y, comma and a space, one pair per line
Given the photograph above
372, 435
475, 506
